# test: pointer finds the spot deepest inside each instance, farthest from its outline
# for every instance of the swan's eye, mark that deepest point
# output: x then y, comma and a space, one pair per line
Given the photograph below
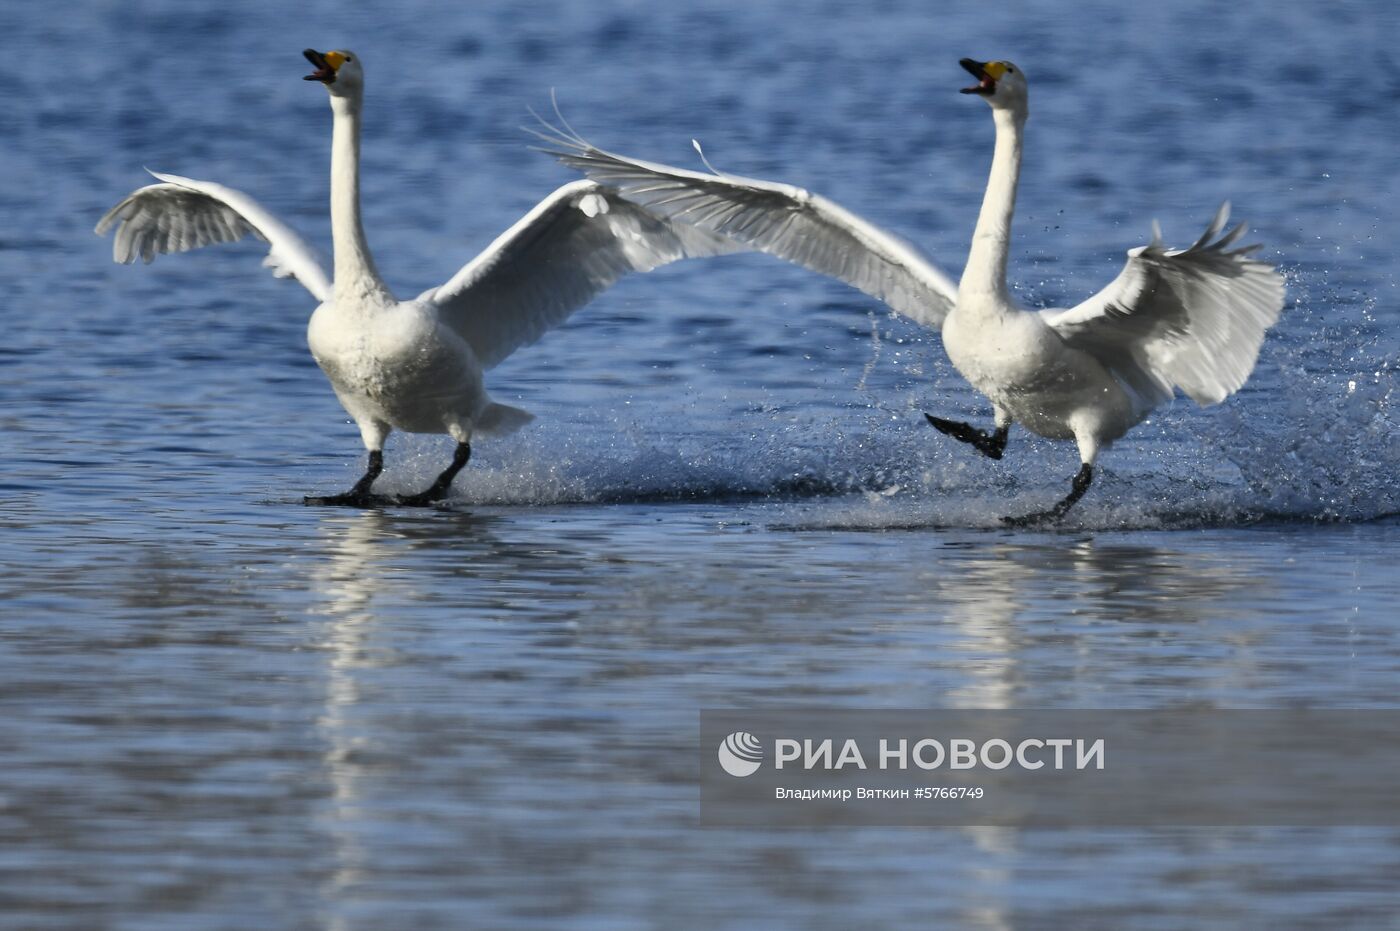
1010, 70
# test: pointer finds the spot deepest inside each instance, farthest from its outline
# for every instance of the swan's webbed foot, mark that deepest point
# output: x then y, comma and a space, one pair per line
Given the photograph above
991, 445
359, 496
351, 500
1081, 485
438, 490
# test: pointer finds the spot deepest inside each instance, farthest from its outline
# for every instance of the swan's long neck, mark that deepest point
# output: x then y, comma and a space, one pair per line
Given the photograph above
985, 274
356, 278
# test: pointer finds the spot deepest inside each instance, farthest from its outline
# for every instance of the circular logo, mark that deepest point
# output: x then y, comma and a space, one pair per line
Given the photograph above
740, 754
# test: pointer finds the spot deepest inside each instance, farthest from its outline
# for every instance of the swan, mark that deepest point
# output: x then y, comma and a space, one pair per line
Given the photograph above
416, 365
1189, 318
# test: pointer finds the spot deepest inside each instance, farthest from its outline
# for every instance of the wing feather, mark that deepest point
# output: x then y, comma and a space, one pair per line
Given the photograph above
574, 245
788, 222
1191, 318
180, 214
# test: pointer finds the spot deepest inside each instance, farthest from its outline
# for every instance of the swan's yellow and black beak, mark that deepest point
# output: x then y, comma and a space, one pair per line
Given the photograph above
987, 74
326, 65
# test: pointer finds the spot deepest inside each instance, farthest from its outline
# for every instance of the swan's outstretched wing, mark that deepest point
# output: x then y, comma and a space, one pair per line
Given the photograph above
782, 220
1193, 318
574, 245
181, 214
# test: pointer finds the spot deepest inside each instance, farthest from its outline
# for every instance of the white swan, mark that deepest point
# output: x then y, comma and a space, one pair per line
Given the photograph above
1189, 318
416, 365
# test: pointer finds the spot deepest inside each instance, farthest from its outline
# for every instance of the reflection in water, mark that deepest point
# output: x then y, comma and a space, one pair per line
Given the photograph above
357, 572
522, 686
347, 582
1005, 606
366, 568
558, 674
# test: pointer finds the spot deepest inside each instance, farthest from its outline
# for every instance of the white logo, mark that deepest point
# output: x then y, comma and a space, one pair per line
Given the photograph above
740, 754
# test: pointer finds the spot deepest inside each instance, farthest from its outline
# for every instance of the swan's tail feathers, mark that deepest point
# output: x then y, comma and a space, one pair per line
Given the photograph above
501, 419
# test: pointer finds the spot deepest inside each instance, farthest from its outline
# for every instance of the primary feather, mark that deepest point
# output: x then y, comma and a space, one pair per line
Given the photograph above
181, 214
785, 221
1191, 318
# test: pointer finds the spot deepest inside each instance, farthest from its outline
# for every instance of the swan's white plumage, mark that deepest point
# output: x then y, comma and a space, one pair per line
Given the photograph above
181, 214
780, 219
574, 245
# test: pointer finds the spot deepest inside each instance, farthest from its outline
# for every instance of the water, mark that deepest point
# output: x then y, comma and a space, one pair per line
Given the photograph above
224, 710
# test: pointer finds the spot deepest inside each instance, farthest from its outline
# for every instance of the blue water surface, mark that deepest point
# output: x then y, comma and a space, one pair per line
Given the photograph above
222, 709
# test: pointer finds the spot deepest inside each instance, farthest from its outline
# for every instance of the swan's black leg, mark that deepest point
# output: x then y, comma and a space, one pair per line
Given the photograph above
438, 490
1081, 485
991, 445
359, 496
